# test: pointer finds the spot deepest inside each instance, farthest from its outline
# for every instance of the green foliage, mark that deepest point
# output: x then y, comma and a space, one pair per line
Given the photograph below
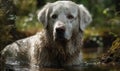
24, 7
28, 23
26, 19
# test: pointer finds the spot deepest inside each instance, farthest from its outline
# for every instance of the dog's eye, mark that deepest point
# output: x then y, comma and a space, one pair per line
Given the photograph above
69, 16
54, 16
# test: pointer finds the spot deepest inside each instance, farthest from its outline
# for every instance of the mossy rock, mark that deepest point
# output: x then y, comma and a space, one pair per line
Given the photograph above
113, 54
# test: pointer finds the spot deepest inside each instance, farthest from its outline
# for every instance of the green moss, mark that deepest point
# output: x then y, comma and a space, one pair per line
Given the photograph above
115, 49
113, 54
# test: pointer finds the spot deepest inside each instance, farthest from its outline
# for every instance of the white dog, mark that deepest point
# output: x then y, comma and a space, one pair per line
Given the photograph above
60, 41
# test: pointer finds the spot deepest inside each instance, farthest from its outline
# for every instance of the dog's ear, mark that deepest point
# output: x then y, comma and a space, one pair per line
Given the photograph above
43, 14
85, 17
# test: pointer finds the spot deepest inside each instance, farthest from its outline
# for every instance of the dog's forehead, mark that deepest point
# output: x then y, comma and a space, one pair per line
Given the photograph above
65, 6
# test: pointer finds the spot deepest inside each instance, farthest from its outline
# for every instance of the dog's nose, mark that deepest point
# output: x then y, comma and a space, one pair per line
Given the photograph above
60, 29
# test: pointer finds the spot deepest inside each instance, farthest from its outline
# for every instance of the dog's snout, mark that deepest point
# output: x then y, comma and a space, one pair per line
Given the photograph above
60, 27
60, 32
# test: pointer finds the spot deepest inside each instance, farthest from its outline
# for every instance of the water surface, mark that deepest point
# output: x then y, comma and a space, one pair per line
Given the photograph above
90, 63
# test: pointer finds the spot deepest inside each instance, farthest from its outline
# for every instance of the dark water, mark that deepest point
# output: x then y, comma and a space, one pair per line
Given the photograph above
73, 68
89, 63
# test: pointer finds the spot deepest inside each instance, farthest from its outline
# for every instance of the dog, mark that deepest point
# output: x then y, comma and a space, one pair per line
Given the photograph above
59, 43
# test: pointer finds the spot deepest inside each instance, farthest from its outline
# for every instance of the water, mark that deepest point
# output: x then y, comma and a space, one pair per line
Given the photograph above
90, 63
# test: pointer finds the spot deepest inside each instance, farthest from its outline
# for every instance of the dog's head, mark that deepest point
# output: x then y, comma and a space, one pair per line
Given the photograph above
64, 18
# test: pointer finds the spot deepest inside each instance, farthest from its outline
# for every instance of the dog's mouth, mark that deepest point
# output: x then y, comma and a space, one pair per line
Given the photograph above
60, 36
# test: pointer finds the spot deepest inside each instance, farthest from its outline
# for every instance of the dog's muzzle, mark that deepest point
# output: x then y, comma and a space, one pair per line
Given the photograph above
60, 33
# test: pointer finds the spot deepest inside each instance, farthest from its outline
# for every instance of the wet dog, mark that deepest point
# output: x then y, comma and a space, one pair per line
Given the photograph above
60, 41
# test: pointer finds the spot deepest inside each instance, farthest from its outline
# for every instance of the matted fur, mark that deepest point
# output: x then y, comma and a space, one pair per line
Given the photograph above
43, 49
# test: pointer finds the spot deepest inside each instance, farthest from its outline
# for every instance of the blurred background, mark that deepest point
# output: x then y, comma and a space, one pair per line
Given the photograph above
18, 19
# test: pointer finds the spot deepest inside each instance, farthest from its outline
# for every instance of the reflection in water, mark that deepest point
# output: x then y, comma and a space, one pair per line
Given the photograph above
89, 64
73, 68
